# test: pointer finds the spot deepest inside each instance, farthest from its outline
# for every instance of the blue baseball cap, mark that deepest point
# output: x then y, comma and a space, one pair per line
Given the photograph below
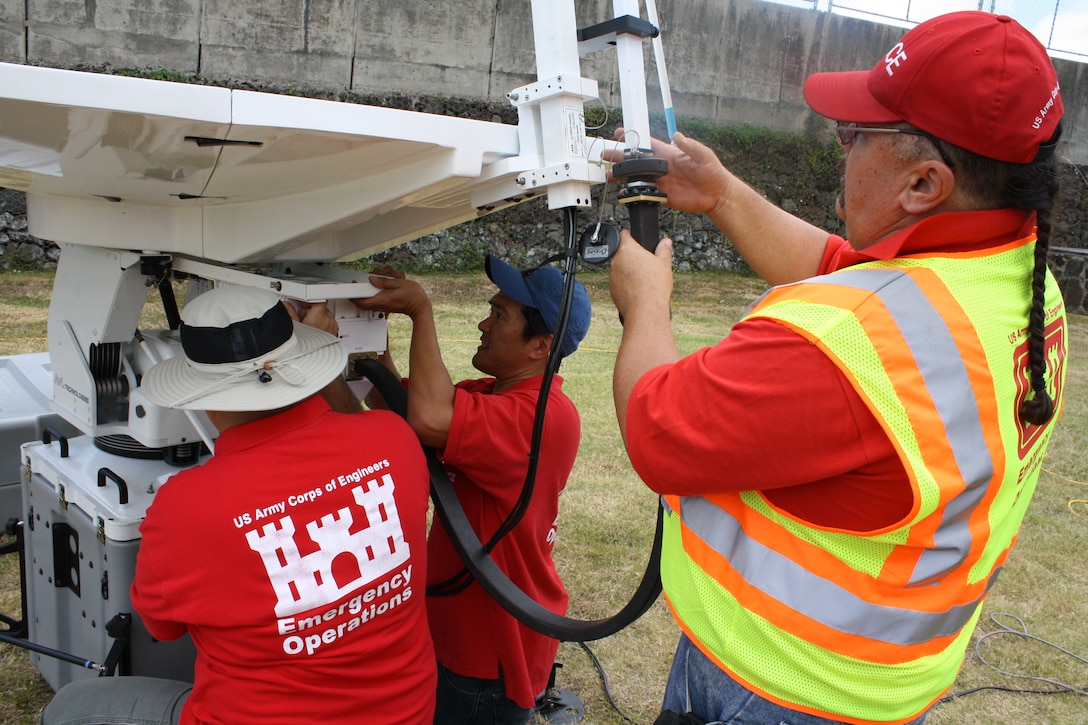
542, 289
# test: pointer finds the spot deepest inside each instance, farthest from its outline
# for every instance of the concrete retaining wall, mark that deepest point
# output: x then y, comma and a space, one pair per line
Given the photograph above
729, 61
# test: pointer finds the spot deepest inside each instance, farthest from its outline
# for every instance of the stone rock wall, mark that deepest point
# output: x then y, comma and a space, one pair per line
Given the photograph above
1070, 267
18, 249
527, 234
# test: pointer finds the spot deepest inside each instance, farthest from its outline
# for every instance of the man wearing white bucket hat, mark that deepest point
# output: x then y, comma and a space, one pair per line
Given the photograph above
295, 563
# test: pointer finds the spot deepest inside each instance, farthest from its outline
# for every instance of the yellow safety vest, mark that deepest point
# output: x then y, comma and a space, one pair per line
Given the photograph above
873, 627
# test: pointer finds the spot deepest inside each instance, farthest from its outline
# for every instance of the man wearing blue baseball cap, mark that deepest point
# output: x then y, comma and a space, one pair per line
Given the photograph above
492, 667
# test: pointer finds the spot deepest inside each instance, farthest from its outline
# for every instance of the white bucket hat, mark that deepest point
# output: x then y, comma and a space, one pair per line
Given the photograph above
243, 352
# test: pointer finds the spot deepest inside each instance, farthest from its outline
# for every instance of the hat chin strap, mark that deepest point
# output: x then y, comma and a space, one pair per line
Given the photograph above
287, 370
263, 367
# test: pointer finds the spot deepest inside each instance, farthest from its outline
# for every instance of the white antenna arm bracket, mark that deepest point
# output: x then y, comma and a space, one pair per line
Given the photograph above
551, 123
361, 332
551, 115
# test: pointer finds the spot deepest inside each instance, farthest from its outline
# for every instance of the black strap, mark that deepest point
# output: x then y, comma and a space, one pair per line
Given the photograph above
120, 629
493, 579
1046, 149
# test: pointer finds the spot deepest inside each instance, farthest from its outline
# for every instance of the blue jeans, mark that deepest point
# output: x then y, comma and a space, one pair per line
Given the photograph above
698, 685
471, 701
118, 701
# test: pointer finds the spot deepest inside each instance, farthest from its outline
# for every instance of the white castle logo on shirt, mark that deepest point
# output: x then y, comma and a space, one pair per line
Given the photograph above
305, 582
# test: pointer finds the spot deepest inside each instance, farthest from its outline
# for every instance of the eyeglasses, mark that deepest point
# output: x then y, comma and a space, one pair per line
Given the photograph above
847, 133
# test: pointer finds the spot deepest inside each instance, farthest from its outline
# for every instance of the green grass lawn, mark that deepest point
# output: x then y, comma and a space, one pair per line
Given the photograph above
607, 519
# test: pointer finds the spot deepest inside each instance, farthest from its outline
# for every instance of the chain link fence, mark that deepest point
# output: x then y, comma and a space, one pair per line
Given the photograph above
1060, 25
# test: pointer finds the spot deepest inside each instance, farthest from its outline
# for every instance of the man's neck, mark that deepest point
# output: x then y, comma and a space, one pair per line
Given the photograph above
509, 381
224, 419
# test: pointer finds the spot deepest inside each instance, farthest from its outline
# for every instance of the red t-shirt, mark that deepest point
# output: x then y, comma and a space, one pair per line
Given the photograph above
766, 410
486, 455
326, 624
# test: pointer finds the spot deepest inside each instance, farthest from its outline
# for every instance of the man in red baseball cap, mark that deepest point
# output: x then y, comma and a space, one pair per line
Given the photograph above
975, 80
846, 471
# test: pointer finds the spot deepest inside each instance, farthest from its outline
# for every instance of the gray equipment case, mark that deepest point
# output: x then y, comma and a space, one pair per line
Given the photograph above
26, 387
83, 508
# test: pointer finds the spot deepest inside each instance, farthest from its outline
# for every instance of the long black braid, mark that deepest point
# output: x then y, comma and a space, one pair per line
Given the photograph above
1030, 187
1039, 408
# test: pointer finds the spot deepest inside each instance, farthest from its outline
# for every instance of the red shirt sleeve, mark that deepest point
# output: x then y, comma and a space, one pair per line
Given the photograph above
498, 422
766, 410
149, 591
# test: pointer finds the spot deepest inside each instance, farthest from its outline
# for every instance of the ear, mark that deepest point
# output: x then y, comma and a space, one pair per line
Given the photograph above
217, 419
927, 185
539, 346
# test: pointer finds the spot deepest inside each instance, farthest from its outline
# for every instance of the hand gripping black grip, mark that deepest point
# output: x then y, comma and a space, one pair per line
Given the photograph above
641, 197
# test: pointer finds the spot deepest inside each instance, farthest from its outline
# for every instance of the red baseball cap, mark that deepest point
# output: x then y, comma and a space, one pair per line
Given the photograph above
977, 80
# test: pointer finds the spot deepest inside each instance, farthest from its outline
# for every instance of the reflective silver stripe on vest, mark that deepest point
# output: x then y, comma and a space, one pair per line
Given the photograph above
930, 342
945, 377
812, 595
